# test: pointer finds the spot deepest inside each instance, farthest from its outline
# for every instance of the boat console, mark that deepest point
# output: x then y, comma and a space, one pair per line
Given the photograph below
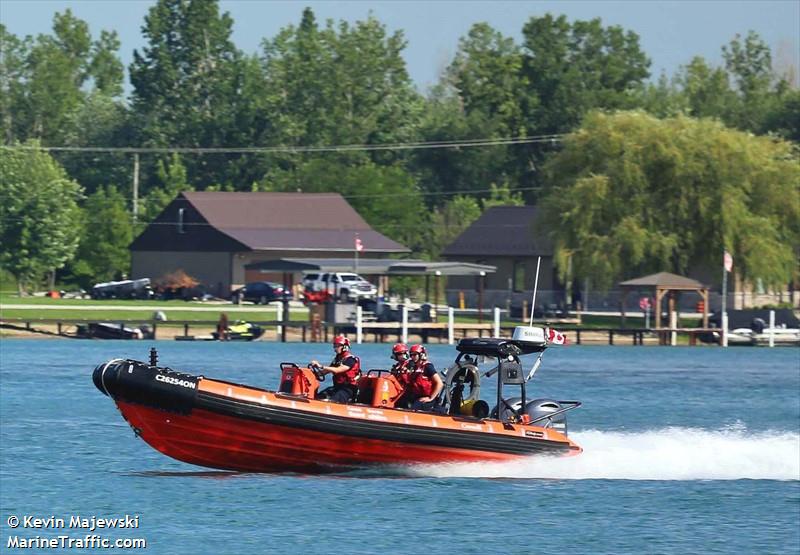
299, 381
509, 370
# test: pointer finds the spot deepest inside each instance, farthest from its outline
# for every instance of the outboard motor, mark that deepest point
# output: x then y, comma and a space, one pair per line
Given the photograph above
542, 407
536, 410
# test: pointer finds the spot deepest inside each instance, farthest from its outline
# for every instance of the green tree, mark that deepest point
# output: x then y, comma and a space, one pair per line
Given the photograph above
486, 73
662, 98
49, 77
746, 92
749, 62
784, 118
448, 222
458, 169
339, 85
186, 84
172, 180
99, 120
38, 214
12, 87
632, 193
387, 197
502, 195
58, 67
697, 89
107, 232
480, 96
105, 67
572, 68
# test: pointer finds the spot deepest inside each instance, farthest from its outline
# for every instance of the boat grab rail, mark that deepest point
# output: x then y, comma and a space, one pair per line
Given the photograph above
378, 371
572, 405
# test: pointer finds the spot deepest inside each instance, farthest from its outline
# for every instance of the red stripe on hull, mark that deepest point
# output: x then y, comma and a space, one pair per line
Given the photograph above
212, 440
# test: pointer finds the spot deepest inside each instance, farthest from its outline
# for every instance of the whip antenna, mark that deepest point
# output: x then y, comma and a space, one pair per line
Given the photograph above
535, 285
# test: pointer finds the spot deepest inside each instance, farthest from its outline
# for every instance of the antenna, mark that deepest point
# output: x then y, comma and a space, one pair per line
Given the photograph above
535, 285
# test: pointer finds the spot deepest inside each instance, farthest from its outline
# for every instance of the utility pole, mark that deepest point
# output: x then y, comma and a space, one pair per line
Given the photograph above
135, 186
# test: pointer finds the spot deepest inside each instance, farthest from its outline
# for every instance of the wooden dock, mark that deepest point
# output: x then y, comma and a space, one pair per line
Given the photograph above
372, 332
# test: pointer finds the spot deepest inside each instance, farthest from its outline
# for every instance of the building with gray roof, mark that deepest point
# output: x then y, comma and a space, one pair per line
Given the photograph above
509, 238
212, 236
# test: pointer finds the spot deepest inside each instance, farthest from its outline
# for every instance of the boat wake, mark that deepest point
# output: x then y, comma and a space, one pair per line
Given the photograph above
666, 454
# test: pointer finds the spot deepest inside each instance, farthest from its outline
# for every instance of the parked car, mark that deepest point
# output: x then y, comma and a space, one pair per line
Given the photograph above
261, 292
343, 286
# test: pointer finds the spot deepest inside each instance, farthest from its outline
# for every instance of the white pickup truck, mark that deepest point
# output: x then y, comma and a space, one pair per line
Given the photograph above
343, 286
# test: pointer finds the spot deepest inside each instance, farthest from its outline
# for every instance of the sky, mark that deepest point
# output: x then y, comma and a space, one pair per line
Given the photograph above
671, 32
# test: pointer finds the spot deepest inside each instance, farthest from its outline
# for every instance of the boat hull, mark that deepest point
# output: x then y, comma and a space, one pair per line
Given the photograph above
210, 440
228, 426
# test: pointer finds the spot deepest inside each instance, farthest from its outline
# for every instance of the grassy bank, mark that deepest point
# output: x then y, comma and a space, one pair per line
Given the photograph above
7, 298
118, 310
145, 315
196, 311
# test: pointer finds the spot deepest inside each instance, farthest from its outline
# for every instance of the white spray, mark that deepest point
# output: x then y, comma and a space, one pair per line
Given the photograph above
666, 454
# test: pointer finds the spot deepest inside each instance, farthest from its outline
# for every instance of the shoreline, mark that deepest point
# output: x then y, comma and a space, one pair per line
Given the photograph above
166, 333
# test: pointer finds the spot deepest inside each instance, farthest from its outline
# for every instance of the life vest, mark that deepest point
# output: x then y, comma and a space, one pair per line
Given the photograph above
421, 385
402, 370
351, 376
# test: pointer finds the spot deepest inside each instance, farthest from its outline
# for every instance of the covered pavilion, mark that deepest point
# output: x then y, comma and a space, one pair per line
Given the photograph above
665, 284
380, 267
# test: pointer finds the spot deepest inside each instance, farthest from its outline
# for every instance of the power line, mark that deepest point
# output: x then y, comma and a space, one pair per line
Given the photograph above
464, 143
145, 200
429, 225
346, 197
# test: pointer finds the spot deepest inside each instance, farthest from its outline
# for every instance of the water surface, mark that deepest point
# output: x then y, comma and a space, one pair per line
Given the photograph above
687, 450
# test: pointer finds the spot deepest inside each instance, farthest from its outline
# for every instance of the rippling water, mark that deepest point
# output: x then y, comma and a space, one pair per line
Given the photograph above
687, 450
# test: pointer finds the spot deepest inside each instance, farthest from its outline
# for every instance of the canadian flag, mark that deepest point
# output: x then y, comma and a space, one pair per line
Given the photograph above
556, 337
359, 245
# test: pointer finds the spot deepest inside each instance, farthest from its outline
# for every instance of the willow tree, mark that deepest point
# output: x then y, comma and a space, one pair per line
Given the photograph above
632, 193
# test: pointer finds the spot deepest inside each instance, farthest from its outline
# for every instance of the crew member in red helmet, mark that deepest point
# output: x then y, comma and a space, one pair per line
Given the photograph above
402, 369
425, 384
346, 370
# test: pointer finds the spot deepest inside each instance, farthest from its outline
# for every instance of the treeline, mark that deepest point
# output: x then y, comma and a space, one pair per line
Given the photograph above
334, 84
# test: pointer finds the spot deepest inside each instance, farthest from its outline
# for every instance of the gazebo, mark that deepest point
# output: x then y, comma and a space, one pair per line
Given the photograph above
665, 283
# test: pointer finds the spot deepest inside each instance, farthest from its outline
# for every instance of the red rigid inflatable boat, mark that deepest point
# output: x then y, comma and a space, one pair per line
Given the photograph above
223, 425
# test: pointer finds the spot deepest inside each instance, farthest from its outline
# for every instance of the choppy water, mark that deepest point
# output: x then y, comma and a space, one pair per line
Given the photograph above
687, 450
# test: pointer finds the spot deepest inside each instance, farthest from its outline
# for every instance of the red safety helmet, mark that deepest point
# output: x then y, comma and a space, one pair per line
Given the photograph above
420, 350
341, 341
400, 349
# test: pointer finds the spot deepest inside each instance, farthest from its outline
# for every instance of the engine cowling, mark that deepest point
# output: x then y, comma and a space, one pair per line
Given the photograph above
536, 410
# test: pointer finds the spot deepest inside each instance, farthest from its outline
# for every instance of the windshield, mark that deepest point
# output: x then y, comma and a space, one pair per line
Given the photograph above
350, 277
